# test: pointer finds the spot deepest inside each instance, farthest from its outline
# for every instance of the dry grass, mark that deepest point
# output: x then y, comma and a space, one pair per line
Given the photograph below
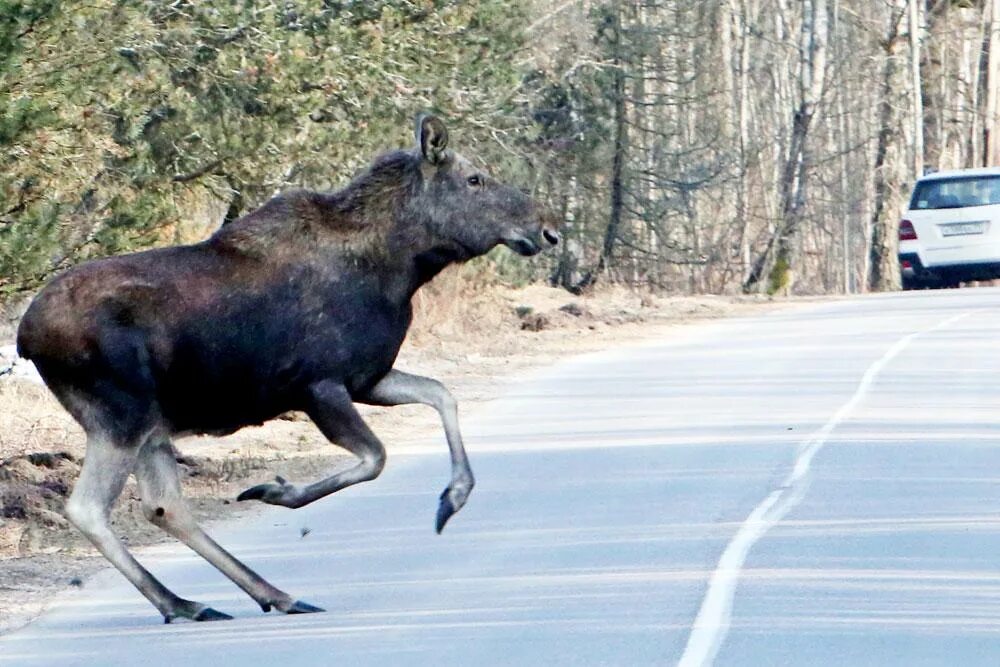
463, 304
31, 420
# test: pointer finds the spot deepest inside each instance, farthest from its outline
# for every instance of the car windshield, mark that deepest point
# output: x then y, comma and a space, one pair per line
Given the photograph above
956, 192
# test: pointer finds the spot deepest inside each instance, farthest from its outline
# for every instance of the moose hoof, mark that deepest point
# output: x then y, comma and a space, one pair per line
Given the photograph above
300, 607
209, 614
452, 500
278, 492
196, 612
445, 510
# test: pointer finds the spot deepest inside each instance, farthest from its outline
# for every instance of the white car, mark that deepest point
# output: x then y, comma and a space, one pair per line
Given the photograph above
951, 232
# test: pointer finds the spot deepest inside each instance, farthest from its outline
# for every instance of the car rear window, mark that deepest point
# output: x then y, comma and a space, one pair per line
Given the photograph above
956, 192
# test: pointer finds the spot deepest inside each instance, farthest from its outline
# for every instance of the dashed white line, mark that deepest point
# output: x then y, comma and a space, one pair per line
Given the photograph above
712, 622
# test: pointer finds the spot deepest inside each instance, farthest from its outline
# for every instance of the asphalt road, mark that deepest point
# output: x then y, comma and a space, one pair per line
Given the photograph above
817, 486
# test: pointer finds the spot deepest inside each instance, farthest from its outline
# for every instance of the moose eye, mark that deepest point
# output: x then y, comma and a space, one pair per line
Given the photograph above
475, 180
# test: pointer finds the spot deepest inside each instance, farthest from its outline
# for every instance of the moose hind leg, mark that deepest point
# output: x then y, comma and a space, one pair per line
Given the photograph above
105, 469
164, 506
332, 409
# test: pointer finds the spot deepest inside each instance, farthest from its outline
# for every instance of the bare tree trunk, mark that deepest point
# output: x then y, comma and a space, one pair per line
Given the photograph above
779, 259
739, 16
968, 99
890, 161
611, 232
842, 146
918, 103
621, 141
991, 131
567, 269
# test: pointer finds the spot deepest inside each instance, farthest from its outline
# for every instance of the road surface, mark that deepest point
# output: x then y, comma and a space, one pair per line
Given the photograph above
817, 486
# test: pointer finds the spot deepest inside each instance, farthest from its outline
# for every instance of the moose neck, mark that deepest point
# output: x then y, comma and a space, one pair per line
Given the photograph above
416, 258
428, 263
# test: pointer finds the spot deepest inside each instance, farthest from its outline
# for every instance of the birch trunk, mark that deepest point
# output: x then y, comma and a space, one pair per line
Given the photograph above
991, 131
915, 20
890, 160
778, 264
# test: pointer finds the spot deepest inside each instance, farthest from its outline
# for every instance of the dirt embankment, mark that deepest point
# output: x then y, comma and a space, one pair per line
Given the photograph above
468, 336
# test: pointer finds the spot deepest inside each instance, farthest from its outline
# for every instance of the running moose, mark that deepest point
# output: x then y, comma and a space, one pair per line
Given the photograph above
300, 305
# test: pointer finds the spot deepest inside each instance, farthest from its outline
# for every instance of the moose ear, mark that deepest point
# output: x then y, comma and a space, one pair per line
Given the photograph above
432, 137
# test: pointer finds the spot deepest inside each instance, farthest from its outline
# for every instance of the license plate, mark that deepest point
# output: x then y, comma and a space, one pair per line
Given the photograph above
963, 228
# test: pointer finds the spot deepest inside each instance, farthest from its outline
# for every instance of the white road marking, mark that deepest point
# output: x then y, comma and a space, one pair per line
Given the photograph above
711, 625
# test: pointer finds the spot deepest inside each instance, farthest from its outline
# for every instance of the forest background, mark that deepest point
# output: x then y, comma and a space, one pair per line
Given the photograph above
718, 146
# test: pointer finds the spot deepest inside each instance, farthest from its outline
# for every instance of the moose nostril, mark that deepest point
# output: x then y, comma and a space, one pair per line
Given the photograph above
551, 236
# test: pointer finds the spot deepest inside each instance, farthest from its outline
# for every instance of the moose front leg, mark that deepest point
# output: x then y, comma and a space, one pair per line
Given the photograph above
399, 388
331, 408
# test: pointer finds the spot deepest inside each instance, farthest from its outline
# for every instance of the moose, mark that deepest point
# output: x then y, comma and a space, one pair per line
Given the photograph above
302, 305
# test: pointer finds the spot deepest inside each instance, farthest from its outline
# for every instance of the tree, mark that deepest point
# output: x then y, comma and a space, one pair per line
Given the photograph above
890, 165
779, 258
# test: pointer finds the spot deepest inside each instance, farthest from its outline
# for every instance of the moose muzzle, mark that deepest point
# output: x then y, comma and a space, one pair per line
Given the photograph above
531, 244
